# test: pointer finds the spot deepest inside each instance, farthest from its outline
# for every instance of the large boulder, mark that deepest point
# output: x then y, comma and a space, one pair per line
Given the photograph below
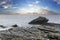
39, 20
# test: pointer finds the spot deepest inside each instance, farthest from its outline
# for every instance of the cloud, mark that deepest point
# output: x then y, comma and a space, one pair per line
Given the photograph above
32, 8
30, 5
6, 6
57, 1
24, 11
14, 7
8, 13
48, 12
36, 2
11, 13
4, 2
45, 7
9, 6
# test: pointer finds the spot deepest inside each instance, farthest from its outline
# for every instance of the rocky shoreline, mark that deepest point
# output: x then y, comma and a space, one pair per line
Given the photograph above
41, 32
33, 33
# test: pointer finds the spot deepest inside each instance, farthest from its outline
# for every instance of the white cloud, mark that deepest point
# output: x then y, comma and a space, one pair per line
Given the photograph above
23, 11
34, 3
30, 5
9, 6
4, 2
32, 8
37, 2
46, 8
57, 1
6, 6
14, 7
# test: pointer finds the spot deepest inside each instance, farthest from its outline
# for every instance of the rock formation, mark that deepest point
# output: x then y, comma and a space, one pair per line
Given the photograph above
15, 25
2, 26
39, 20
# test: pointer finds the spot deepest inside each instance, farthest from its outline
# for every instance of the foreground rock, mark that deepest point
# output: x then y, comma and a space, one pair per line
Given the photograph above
42, 32
39, 20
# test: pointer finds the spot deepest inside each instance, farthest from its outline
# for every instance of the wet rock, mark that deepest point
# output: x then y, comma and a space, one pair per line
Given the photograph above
15, 25
39, 20
2, 26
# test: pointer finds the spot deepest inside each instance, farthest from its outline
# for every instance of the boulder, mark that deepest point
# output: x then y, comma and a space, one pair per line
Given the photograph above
39, 20
15, 25
2, 26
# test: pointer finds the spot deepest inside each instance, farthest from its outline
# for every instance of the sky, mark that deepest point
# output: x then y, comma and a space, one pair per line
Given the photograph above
29, 6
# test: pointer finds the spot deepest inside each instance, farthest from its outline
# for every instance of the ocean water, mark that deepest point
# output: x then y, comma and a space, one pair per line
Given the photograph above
23, 20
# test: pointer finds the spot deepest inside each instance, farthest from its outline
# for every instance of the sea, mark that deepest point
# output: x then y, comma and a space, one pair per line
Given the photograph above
23, 20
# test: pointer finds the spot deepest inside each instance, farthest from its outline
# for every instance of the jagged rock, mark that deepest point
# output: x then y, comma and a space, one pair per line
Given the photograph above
39, 20
2, 26
15, 25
